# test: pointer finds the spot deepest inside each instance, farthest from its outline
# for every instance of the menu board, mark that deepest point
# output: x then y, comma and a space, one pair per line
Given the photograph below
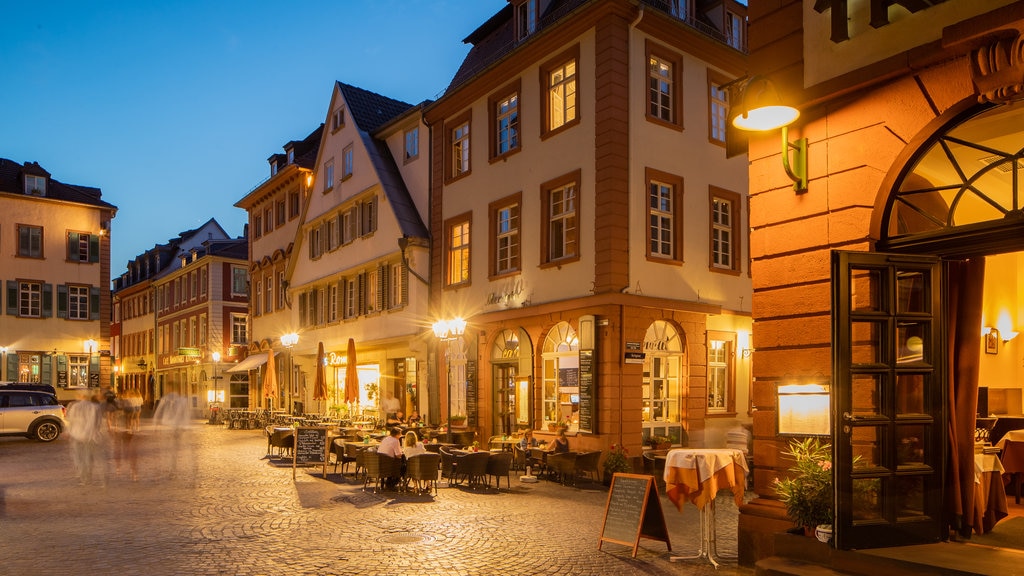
587, 391
472, 393
631, 513
310, 447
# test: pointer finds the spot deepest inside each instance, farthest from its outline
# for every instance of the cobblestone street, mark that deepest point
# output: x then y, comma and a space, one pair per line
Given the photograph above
223, 507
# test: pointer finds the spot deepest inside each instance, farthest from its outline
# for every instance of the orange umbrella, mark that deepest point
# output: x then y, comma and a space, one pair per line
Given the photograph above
270, 376
320, 376
351, 374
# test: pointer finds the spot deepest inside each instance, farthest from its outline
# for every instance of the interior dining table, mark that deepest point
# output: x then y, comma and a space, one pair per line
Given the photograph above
989, 494
695, 475
1011, 449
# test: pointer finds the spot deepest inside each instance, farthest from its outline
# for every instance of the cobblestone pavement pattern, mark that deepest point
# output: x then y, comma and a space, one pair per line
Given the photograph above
222, 507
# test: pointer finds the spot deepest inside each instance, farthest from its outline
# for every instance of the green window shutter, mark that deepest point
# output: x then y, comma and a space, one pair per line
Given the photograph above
62, 301
72, 246
47, 301
12, 366
94, 370
94, 248
94, 303
12, 300
46, 369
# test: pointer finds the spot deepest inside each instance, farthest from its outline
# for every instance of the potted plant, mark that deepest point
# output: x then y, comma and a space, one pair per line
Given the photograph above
659, 442
807, 491
616, 461
458, 419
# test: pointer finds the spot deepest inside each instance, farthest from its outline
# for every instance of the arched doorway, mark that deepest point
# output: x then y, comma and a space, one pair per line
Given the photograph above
512, 373
907, 329
560, 385
665, 374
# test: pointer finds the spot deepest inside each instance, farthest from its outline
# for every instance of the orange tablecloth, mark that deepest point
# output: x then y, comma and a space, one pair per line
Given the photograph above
697, 474
989, 494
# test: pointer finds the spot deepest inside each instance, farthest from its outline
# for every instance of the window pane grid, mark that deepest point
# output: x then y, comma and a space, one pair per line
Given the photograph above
721, 233
508, 124
661, 219
508, 239
660, 94
458, 254
563, 95
460, 150
562, 236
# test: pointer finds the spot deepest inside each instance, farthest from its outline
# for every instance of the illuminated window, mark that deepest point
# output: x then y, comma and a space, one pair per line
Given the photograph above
561, 95
559, 234
412, 143
457, 249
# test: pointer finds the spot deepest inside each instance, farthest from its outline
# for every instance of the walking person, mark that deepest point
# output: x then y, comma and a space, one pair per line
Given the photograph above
87, 430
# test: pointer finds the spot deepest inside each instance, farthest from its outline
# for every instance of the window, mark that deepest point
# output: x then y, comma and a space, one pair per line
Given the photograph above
372, 292
349, 219
368, 216
239, 329
78, 370
734, 35
458, 147
268, 220
718, 107
457, 250
412, 143
257, 226
396, 286
29, 299
35, 185
331, 236
332, 303
526, 20
346, 162
257, 304
560, 379
559, 232
282, 287
724, 230
30, 241
505, 235
328, 174
239, 281
268, 293
664, 86
505, 121
293, 205
279, 211
662, 388
83, 247
315, 248
202, 329
559, 83
204, 281
664, 216
351, 297
78, 302
338, 119
721, 382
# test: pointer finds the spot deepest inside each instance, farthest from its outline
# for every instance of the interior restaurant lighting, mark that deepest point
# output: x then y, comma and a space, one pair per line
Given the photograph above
761, 109
804, 409
447, 331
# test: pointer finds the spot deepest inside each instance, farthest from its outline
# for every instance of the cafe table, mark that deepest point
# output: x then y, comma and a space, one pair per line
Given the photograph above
696, 475
989, 494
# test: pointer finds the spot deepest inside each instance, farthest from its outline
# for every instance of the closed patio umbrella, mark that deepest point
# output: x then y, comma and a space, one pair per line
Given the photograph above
351, 373
320, 376
270, 376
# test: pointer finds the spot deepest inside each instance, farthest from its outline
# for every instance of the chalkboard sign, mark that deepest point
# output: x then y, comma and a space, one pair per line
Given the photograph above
472, 393
587, 391
310, 447
631, 513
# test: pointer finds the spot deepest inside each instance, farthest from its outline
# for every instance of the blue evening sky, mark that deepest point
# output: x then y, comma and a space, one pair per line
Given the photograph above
172, 108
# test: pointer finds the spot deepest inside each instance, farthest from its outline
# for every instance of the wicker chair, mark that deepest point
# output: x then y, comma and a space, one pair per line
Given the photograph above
563, 467
498, 465
282, 439
423, 468
448, 463
379, 468
586, 465
473, 467
344, 454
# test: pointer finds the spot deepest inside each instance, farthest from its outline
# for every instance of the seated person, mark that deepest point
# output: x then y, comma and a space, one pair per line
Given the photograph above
560, 444
396, 419
527, 441
414, 418
392, 446
412, 445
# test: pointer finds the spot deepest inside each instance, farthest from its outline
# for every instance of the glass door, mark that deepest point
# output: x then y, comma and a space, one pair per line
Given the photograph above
889, 434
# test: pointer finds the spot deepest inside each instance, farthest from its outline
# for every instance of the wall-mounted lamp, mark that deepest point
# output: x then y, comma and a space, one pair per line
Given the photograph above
804, 409
760, 110
746, 352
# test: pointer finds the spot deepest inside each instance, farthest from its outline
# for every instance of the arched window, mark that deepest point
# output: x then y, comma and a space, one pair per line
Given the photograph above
560, 384
663, 381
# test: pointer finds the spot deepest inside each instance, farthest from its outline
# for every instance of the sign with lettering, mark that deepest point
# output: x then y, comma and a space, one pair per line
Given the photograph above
633, 511
587, 392
310, 447
633, 358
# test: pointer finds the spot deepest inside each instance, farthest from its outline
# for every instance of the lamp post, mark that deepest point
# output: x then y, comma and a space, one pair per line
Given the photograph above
288, 341
3, 362
214, 407
448, 331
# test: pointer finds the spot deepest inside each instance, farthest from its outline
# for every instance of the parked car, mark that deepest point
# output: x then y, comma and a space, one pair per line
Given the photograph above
30, 410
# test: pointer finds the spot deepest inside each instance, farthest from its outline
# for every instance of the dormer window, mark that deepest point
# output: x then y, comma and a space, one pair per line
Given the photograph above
35, 185
273, 167
291, 155
526, 18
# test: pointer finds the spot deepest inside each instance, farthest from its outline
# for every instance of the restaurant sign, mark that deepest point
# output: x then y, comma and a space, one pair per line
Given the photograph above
190, 352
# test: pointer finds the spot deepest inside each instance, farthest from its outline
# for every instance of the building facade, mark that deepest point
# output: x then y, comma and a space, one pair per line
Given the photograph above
589, 227
181, 318
55, 241
894, 276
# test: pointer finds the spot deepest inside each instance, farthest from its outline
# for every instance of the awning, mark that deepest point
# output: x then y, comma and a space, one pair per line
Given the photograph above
251, 362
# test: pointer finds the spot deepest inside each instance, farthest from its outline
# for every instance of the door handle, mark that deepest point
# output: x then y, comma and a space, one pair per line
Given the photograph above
851, 418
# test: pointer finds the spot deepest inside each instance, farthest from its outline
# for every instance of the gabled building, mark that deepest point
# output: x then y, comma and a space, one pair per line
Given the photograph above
589, 226
55, 255
360, 263
275, 209
181, 317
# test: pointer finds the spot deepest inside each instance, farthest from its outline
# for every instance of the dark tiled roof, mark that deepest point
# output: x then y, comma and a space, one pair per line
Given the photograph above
11, 182
369, 109
307, 149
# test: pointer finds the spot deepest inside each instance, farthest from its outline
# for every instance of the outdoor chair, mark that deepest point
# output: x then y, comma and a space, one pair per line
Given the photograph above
473, 467
423, 468
344, 454
655, 467
563, 467
498, 465
380, 467
586, 465
448, 466
282, 439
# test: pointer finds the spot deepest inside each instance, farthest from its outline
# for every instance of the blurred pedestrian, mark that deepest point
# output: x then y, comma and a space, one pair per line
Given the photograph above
87, 431
123, 426
172, 421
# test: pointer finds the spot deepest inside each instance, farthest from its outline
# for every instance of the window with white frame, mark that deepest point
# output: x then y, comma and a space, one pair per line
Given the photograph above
257, 303
664, 215
560, 377
315, 249
734, 30
662, 387
560, 203
660, 88
561, 95
412, 143
719, 100
78, 302
457, 248
505, 227
239, 329
460, 149
78, 370
721, 385
268, 220
372, 293
203, 329
30, 241
282, 288
347, 161
268, 293
506, 129
396, 285
526, 18
83, 247
332, 303
279, 212
349, 224
725, 234
35, 185
332, 238
338, 119
30, 299
328, 179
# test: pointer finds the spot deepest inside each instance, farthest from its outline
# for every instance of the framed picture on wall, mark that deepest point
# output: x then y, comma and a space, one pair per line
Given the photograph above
992, 343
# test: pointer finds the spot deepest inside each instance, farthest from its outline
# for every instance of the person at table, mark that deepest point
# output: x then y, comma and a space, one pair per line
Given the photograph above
527, 441
397, 419
414, 417
412, 445
392, 446
560, 444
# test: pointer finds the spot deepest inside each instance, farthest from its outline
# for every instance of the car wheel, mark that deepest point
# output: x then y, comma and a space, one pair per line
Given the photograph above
47, 431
